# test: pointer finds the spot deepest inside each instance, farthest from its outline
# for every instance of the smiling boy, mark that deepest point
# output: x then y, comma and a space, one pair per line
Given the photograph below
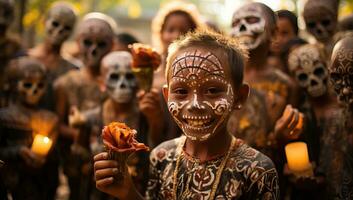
204, 85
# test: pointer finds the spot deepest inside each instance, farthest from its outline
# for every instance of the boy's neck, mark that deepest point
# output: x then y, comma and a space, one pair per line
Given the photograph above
206, 150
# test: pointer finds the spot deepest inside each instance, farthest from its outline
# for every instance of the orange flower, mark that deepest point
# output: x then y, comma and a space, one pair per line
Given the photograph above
144, 56
120, 138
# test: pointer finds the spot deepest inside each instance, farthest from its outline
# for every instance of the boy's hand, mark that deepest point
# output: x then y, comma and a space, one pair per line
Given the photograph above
290, 125
104, 172
31, 159
149, 104
76, 118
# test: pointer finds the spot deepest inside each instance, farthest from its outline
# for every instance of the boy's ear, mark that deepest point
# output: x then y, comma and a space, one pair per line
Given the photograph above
242, 96
165, 92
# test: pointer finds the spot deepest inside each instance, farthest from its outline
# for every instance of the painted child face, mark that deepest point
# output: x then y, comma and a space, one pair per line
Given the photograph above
200, 93
95, 40
341, 71
120, 82
175, 25
309, 69
248, 24
31, 87
59, 24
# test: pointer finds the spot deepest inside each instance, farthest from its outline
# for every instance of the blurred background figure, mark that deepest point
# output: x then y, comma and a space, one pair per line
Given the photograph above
59, 25
123, 40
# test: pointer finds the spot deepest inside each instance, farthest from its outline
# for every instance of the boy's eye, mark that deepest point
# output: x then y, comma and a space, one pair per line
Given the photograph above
180, 91
213, 90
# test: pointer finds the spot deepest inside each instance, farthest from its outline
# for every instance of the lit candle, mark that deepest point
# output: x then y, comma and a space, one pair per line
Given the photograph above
41, 145
297, 156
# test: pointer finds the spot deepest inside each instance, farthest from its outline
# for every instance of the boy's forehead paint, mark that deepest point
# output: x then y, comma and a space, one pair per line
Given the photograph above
192, 64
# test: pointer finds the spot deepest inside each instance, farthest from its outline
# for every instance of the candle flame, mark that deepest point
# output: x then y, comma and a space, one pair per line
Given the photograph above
46, 140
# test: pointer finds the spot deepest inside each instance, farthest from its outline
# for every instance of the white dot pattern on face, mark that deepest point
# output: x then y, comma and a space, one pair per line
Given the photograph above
196, 63
195, 68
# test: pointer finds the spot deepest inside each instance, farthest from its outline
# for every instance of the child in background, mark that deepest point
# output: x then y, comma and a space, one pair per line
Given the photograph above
172, 21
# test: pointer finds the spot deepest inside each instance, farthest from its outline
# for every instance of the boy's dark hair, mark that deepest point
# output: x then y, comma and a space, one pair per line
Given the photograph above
183, 13
236, 53
126, 38
291, 17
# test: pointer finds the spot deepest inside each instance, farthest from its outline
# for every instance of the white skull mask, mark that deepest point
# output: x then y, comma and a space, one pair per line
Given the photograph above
248, 24
95, 39
31, 83
309, 69
60, 23
320, 19
120, 81
6, 15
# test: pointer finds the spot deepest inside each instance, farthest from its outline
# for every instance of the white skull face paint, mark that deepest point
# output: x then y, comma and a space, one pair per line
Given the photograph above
309, 69
320, 19
31, 83
95, 39
200, 95
120, 81
59, 23
248, 24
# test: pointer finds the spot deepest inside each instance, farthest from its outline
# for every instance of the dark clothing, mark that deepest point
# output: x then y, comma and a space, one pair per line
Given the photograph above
22, 181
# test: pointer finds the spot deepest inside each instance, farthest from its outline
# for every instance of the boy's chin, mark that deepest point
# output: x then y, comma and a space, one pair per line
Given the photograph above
202, 137
199, 137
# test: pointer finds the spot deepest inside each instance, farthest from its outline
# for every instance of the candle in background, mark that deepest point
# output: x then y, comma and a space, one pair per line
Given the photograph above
41, 145
297, 156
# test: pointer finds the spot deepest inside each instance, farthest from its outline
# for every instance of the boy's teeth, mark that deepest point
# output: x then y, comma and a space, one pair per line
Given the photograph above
198, 123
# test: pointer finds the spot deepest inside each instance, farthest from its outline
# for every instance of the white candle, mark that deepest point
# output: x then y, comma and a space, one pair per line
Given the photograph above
297, 156
41, 145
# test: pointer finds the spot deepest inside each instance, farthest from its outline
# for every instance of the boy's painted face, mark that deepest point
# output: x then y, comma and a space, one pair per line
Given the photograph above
176, 24
200, 93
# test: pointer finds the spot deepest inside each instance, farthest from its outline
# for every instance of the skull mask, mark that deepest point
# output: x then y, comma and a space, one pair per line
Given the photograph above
249, 26
6, 15
59, 23
309, 68
29, 80
95, 40
120, 81
341, 70
320, 19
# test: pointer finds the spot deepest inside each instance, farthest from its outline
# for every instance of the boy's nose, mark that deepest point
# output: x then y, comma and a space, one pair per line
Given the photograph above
195, 104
